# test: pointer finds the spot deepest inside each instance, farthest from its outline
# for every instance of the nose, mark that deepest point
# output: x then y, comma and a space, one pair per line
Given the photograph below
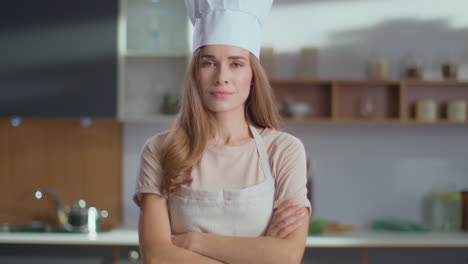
222, 76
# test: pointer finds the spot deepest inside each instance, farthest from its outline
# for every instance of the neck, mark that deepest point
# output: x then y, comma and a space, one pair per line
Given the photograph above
230, 128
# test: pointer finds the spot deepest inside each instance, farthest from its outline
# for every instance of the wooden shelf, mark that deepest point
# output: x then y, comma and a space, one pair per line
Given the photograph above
392, 101
435, 83
309, 120
371, 82
367, 82
337, 101
368, 121
300, 81
362, 121
436, 123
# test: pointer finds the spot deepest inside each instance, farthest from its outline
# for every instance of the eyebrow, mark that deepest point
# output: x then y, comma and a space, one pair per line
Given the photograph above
230, 57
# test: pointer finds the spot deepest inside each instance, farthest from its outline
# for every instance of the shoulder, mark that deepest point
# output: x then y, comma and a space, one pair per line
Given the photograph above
276, 140
286, 154
154, 143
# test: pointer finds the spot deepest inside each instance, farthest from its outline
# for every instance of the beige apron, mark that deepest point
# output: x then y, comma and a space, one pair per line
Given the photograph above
244, 212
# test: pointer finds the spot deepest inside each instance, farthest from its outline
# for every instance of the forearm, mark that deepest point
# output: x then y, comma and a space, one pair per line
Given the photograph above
247, 249
174, 255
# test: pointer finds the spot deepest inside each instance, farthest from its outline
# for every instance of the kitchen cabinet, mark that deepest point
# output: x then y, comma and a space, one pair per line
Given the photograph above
356, 247
79, 159
332, 256
47, 254
55, 255
418, 255
129, 255
59, 58
154, 48
385, 255
367, 101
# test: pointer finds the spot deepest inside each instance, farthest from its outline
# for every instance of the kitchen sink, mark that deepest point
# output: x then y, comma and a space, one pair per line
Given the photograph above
34, 227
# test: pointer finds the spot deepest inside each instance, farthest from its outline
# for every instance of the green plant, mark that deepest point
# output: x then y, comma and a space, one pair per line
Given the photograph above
169, 104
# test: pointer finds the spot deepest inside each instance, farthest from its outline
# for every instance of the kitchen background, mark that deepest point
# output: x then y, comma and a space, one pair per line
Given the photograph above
361, 172
133, 54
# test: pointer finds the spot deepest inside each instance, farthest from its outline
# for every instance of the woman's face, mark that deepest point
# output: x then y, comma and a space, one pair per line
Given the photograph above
225, 76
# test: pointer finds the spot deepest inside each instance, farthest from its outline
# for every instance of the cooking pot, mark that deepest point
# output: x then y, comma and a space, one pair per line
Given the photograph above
75, 218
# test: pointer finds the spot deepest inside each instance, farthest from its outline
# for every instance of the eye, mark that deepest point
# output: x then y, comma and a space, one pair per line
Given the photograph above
207, 63
237, 64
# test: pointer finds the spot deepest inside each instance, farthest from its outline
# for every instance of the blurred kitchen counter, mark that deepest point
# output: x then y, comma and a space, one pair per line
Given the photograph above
365, 238
360, 238
115, 237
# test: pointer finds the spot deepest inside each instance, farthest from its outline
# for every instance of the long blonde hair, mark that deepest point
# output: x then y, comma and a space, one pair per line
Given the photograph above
186, 141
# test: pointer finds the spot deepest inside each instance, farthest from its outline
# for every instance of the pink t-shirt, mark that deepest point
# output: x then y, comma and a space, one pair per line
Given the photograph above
235, 167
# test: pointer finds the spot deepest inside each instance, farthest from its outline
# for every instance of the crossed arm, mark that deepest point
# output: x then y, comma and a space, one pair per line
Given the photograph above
283, 243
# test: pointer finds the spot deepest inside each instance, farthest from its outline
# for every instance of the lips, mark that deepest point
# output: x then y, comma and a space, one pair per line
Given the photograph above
221, 94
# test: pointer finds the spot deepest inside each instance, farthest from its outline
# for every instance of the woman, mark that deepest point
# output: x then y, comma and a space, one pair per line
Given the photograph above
223, 179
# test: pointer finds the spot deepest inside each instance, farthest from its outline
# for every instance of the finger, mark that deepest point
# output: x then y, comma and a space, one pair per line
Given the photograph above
278, 224
291, 211
286, 209
295, 217
288, 205
284, 206
289, 229
275, 227
281, 232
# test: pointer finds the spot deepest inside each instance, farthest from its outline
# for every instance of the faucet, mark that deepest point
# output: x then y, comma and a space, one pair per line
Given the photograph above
62, 216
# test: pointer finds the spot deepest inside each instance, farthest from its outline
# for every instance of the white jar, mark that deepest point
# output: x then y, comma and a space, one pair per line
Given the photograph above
299, 110
426, 110
456, 111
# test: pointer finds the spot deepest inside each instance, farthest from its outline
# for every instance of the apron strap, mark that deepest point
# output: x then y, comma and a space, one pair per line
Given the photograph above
262, 152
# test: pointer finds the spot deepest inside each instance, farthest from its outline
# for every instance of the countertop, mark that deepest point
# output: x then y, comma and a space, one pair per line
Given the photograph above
358, 239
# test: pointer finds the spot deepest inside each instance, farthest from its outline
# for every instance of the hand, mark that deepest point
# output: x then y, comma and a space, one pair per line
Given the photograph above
185, 240
287, 218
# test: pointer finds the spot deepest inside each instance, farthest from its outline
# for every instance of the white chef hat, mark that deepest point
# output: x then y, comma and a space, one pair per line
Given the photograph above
228, 22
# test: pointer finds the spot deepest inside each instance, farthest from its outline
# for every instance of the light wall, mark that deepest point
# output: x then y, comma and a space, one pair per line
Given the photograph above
361, 172
349, 33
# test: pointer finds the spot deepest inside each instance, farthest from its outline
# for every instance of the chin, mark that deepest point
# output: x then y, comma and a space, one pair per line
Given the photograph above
222, 108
